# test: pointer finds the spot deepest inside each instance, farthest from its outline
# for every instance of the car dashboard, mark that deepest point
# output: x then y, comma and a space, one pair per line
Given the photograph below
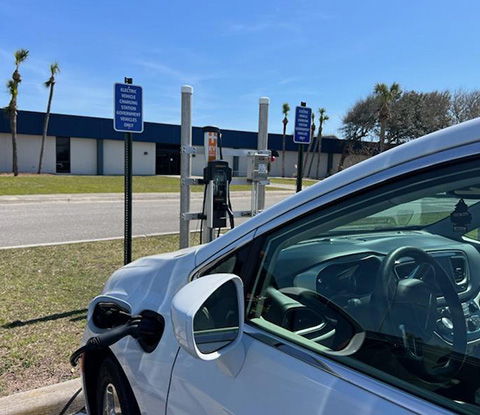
344, 269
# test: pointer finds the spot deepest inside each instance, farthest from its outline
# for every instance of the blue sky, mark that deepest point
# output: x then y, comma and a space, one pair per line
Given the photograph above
327, 53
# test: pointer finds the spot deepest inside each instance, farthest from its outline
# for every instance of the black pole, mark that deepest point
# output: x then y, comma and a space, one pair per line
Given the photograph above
128, 194
299, 167
128, 199
300, 161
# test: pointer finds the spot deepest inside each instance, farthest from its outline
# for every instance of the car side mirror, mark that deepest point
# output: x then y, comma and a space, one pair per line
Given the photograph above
208, 315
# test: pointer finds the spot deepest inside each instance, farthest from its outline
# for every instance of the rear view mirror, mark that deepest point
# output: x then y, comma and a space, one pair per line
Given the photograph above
208, 314
469, 192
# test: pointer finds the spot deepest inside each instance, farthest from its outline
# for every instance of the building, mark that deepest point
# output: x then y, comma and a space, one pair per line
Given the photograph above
89, 146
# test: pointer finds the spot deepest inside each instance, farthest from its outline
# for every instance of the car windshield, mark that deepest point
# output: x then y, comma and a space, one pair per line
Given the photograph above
414, 214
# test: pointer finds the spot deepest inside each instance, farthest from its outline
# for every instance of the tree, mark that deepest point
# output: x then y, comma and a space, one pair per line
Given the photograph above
386, 96
416, 114
359, 124
413, 114
465, 105
322, 117
50, 83
11, 109
360, 121
285, 110
311, 144
321, 120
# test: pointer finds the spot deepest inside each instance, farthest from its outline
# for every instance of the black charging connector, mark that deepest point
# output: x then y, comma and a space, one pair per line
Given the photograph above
147, 328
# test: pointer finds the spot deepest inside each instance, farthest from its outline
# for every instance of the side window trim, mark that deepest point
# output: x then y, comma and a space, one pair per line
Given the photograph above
217, 257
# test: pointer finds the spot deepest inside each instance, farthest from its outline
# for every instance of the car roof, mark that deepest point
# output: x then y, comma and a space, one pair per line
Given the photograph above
448, 138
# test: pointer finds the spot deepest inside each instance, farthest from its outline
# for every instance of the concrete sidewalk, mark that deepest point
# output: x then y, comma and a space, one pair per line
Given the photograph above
116, 197
50, 400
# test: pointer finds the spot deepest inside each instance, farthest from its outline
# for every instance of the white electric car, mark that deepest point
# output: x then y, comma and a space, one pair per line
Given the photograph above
359, 295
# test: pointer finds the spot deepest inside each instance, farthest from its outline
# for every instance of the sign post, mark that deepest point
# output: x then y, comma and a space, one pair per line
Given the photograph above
128, 118
302, 136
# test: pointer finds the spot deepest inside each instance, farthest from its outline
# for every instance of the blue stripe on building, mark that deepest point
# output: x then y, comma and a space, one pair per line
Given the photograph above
30, 122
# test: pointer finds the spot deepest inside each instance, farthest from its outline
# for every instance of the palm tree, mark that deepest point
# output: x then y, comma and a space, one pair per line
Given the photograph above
311, 144
322, 117
50, 83
12, 86
387, 96
285, 110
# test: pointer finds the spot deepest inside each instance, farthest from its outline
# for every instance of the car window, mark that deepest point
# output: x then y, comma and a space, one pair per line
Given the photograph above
232, 263
414, 292
474, 234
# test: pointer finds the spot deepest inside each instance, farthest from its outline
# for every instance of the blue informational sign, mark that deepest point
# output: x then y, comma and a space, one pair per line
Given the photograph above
128, 108
303, 125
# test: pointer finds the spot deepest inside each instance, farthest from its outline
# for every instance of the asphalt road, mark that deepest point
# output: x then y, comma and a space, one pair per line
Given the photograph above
52, 222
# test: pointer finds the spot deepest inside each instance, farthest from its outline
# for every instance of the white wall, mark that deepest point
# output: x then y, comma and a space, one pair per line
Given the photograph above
113, 158
291, 158
322, 168
198, 162
144, 164
28, 151
242, 166
83, 156
5, 153
290, 163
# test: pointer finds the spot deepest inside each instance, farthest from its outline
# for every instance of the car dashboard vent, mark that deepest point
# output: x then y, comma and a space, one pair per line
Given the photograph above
459, 267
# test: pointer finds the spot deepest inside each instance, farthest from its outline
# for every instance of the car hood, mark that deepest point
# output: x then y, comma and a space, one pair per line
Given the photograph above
148, 281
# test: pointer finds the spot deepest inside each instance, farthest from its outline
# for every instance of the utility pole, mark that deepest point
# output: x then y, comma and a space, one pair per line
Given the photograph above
185, 164
262, 143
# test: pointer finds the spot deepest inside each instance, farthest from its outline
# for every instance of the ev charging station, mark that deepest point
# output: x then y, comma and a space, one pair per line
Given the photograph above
217, 178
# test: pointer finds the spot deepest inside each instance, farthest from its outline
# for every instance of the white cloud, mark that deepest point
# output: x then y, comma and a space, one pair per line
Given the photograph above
182, 76
288, 80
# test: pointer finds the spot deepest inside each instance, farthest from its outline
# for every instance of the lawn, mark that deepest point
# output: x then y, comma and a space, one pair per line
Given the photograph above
45, 292
30, 184
292, 182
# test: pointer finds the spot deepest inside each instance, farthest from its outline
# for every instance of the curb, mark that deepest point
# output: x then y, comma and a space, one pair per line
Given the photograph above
49, 400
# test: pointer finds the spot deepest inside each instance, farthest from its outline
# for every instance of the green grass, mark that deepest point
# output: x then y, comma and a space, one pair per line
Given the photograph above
52, 184
45, 292
292, 182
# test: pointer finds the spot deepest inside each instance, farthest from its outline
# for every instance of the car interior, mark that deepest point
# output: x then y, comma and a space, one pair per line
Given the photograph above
403, 263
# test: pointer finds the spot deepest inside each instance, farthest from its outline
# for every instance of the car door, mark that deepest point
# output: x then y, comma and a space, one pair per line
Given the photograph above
276, 376
297, 354
295, 359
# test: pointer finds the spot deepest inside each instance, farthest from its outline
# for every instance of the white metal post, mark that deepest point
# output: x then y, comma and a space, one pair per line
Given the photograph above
262, 144
185, 164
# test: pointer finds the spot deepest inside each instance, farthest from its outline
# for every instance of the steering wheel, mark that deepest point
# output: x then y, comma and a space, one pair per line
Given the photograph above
407, 309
